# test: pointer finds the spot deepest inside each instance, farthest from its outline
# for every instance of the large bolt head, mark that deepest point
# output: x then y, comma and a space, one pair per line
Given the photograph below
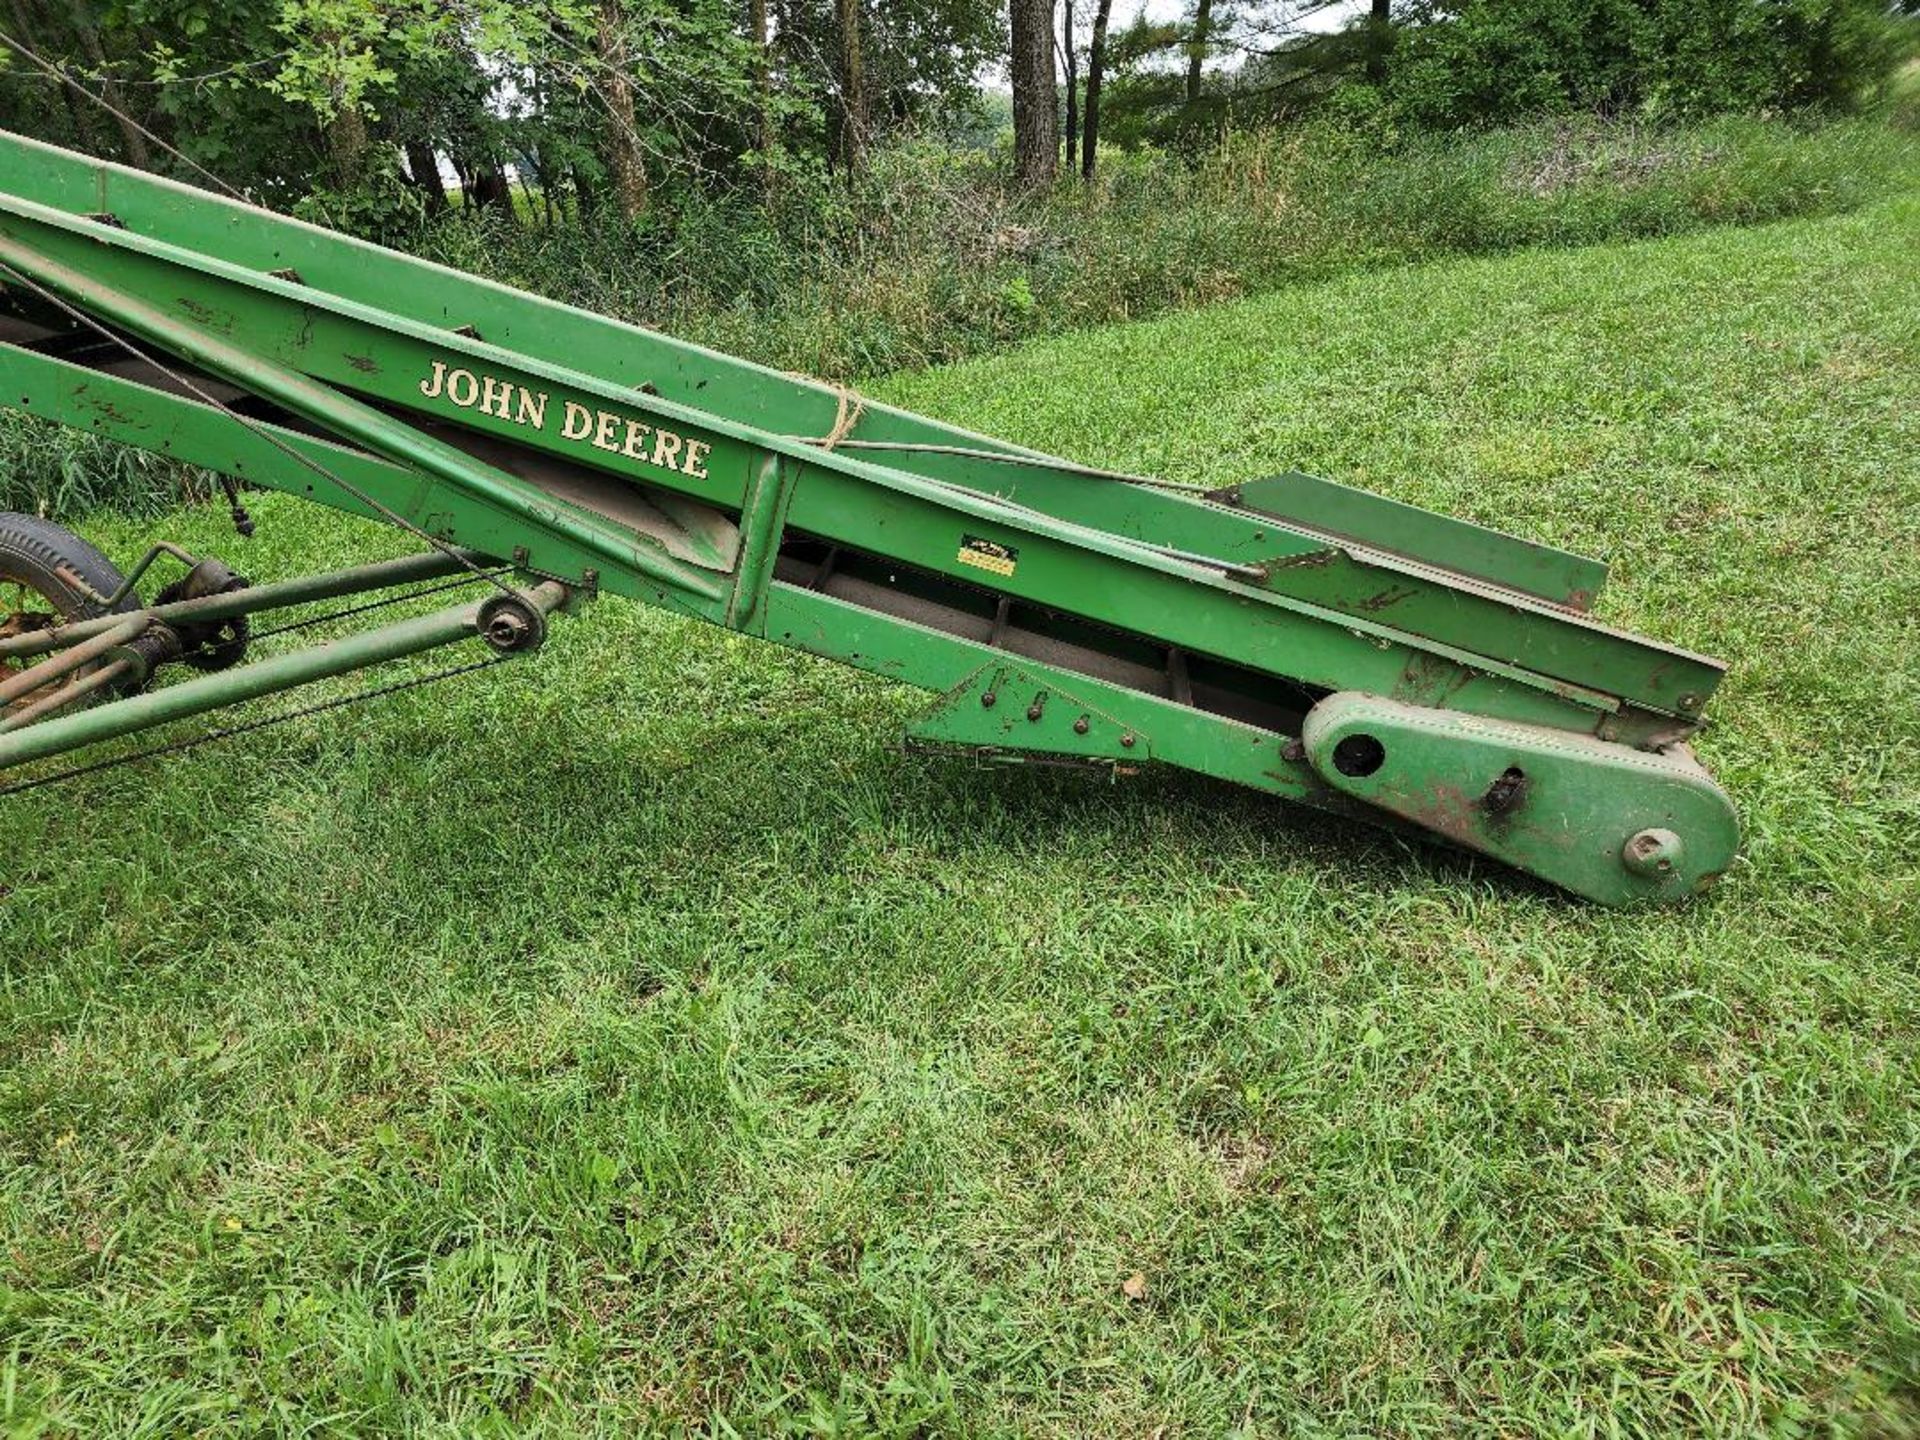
1653, 853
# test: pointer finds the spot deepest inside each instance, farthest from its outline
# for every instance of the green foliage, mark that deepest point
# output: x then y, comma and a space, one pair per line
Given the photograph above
48, 469
1445, 66
323, 98
925, 258
1485, 62
633, 1041
1903, 101
333, 62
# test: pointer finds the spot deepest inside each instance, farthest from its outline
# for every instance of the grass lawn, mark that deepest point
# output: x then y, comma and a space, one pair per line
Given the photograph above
635, 1039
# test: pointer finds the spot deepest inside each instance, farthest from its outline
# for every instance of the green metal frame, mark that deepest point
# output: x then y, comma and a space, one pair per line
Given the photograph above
613, 458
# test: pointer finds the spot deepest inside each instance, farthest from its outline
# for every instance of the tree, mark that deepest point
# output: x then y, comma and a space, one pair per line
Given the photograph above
1070, 59
1197, 47
620, 142
1096, 64
1036, 122
1379, 39
763, 136
111, 92
852, 131
1479, 62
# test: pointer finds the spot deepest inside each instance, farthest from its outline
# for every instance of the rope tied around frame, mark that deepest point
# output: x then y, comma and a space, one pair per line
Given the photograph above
849, 406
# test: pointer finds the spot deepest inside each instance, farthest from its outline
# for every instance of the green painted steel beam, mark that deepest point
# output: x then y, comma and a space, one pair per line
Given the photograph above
184, 430
1064, 566
348, 345
1343, 513
1181, 735
393, 440
443, 299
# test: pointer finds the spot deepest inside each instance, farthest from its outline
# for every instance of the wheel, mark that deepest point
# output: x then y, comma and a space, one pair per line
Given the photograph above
49, 576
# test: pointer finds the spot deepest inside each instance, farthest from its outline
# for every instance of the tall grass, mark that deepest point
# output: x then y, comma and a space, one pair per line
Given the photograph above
51, 470
930, 256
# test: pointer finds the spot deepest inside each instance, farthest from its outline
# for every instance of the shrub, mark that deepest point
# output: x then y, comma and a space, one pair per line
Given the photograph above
1483, 63
929, 256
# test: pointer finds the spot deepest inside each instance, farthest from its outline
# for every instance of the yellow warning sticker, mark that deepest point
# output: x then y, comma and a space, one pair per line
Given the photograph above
988, 555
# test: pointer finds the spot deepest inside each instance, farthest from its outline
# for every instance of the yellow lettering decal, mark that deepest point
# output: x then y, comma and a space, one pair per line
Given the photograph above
636, 445
603, 433
578, 424
432, 385
696, 461
462, 388
496, 396
533, 409
666, 449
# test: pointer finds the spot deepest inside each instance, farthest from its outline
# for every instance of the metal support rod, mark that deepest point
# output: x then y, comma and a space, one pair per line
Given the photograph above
382, 575
159, 548
121, 630
247, 682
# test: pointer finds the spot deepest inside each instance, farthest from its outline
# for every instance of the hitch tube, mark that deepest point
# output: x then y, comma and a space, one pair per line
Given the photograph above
119, 630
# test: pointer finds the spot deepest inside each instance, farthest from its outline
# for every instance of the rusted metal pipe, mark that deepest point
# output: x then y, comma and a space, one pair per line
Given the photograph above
66, 696
122, 629
382, 575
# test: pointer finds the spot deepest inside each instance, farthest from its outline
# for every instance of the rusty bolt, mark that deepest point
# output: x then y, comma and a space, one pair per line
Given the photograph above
987, 699
1081, 726
1652, 853
1126, 741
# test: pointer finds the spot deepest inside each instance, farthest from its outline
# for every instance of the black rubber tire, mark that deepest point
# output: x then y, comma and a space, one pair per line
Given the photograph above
49, 558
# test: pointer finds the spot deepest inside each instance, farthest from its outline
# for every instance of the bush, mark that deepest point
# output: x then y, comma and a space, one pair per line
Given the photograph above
930, 256
1483, 63
51, 470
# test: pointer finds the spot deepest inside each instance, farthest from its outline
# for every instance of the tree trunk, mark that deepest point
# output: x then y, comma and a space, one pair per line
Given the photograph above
111, 92
1036, 116
347, 143
1072, 66
489, 188
1379, 39
423, 168
852, 138
762, 86
586, 200
1197, 50
1096, 65
626, 173
70, 94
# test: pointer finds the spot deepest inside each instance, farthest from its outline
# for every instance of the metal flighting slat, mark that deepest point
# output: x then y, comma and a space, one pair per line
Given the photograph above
1436, 542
